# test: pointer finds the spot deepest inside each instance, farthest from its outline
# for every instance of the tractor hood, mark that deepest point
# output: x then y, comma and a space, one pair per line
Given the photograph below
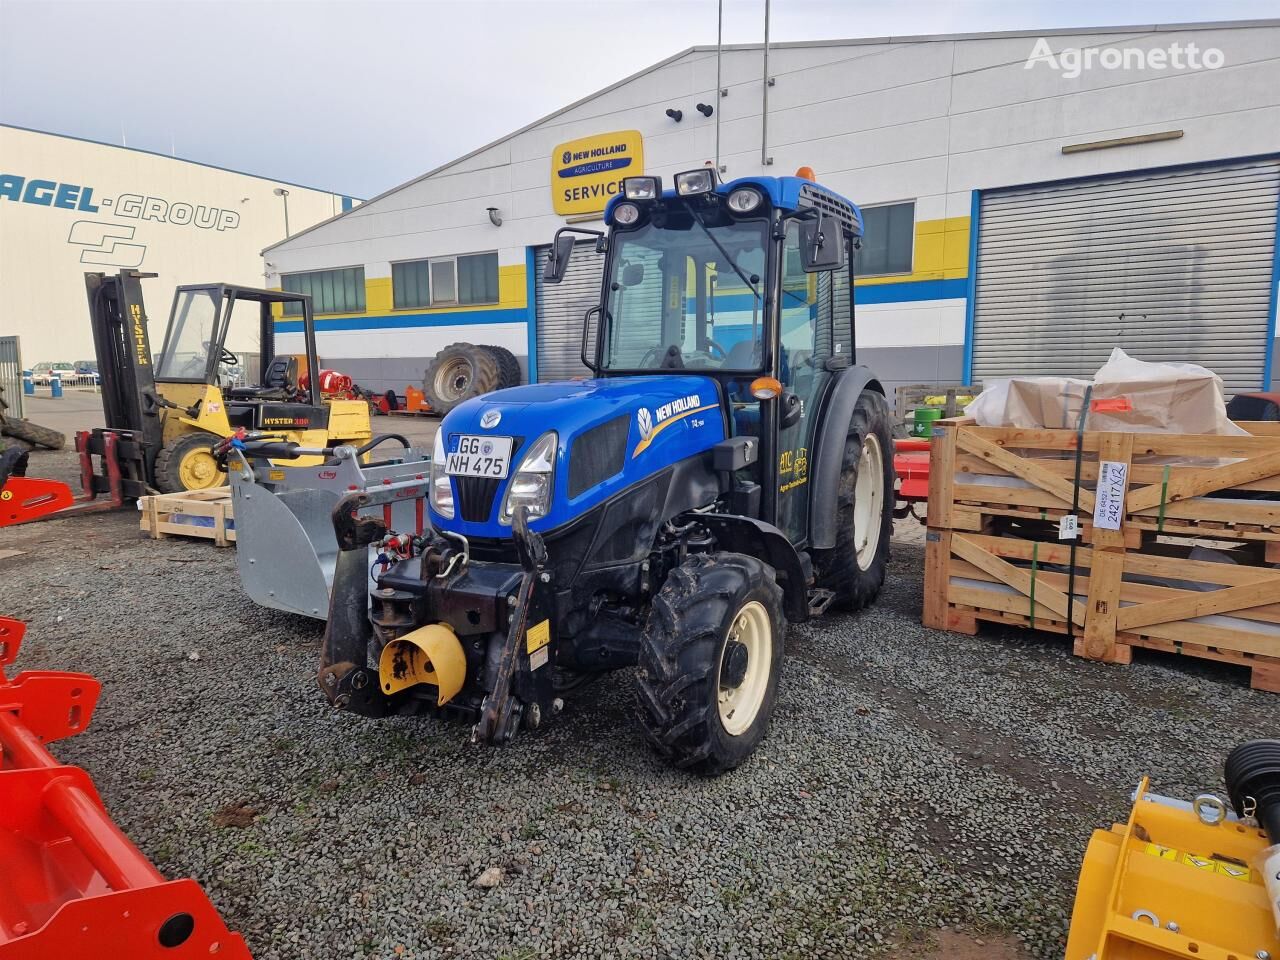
612, 433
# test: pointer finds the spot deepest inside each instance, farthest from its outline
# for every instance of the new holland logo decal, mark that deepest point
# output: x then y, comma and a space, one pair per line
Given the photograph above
651, 424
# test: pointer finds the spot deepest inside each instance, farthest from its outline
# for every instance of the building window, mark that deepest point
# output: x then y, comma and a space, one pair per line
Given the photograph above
410, 286
442, 281
332, 291
888, 239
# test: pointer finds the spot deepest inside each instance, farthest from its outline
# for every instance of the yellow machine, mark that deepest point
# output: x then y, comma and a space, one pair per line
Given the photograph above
195, 392
1188, 880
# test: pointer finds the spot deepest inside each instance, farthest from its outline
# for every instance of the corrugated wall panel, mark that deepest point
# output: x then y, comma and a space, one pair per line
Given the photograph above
1172, 265
560, 309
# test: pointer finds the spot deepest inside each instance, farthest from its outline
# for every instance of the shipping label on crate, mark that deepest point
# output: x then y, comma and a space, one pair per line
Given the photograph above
1108, 509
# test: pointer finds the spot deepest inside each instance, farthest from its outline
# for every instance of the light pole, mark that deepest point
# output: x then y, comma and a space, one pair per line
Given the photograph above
283, 194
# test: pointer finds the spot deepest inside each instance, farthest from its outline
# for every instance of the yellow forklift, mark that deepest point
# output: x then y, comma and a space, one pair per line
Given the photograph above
165, 413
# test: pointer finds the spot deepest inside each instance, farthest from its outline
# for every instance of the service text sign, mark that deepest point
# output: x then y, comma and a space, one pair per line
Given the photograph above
587, 173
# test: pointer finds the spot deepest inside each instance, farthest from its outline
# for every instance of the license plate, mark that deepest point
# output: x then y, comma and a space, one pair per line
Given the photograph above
478, 457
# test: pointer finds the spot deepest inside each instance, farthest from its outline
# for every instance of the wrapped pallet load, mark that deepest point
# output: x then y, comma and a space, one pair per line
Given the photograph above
1127, 396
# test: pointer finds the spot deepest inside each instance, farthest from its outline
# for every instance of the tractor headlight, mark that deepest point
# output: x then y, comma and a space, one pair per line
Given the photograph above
626, 214
532, 483
441, 485
744, 200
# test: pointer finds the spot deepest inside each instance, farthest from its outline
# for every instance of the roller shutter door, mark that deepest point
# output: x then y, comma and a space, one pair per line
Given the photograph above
1173, 265
560, 308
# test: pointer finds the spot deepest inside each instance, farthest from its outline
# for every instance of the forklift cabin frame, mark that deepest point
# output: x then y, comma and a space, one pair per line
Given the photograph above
227, 295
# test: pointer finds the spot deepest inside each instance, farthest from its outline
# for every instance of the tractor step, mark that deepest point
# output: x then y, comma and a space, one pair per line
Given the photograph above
819, 600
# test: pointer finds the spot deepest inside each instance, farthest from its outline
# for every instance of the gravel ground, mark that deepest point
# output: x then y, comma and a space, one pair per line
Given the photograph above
912, 781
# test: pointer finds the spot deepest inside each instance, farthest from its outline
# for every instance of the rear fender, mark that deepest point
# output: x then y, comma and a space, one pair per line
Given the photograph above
832, 430
763, 540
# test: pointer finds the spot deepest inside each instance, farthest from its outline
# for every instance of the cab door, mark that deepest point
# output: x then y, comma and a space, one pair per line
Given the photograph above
815, 334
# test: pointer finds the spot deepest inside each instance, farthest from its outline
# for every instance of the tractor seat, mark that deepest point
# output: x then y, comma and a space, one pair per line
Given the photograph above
278, 382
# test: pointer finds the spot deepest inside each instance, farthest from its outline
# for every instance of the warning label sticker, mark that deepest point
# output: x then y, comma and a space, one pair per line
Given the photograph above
1210, 864
538, 636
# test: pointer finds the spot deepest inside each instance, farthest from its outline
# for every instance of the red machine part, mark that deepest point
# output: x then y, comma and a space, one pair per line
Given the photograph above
24, 499
911, 462
73, 885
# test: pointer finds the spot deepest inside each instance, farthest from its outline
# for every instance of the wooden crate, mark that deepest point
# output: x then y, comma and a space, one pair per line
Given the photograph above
990, 555
194, 513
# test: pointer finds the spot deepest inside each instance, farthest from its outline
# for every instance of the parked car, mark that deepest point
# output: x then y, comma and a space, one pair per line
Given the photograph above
42, 373
87, 372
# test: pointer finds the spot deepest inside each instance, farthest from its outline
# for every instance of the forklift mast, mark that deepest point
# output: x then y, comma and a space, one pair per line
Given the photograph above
123, 347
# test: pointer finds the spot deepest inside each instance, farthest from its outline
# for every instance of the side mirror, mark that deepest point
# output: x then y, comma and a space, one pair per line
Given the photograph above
558, 262
821, 244
633, 274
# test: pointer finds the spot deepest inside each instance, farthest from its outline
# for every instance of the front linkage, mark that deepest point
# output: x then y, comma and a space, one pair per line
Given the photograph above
488, 649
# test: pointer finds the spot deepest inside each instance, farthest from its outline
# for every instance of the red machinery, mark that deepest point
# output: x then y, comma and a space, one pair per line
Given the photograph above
72, 884
115, 478
911, 463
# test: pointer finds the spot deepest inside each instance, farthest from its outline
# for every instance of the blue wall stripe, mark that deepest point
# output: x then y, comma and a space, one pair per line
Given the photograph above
971, 283
531, 311
402, 321
910, 291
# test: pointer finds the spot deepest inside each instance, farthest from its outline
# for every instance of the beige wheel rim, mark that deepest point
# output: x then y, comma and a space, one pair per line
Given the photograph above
740, 703
868, 501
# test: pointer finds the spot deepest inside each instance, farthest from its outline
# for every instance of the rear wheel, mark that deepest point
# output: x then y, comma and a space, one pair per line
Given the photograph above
187, 463
33, 433
709, 661
855, 569
459, 372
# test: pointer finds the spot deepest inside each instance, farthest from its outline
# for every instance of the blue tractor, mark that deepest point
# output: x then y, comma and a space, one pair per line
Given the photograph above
728, 470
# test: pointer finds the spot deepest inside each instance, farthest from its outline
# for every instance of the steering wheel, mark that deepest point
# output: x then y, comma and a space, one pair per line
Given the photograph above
228, 358
649, 356
712, 345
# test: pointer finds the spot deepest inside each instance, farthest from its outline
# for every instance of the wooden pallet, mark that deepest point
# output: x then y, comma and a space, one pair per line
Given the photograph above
987, 558
195, 513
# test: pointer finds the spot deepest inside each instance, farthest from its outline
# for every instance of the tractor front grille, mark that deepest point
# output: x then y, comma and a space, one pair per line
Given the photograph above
476, 494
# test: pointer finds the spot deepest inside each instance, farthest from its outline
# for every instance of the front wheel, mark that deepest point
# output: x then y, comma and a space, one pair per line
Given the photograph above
854, 571
187, 463
709, 661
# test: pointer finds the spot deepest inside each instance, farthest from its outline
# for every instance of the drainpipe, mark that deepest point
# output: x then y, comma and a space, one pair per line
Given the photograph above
719, 88
765, 159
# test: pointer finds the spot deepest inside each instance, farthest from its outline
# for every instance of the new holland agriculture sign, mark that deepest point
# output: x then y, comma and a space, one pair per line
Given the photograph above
586, 173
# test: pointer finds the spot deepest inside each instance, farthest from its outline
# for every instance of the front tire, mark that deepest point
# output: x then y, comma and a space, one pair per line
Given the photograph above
855, 570
710, 659
187, 463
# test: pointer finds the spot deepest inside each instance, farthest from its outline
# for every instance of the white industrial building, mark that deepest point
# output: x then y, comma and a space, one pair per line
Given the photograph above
1031, 200
70, 206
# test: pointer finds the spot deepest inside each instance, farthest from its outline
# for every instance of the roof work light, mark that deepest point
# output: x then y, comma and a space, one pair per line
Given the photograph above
694, 182
642, 188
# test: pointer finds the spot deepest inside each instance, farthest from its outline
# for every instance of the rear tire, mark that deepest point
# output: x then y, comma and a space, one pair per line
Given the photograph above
855, 570
508, 366
710, 657
33, 433
187, 463
457, 373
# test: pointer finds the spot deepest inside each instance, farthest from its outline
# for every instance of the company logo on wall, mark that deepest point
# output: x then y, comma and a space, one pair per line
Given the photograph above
587, 173
102, 240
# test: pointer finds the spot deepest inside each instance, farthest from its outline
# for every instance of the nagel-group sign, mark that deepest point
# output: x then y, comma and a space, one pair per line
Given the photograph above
586, 173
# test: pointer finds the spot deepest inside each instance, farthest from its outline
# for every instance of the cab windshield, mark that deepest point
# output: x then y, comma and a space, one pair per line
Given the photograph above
193, 331
687, 295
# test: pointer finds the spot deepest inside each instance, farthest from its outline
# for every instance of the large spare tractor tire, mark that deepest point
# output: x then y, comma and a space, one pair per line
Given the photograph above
508, 365
33, 433
459, 372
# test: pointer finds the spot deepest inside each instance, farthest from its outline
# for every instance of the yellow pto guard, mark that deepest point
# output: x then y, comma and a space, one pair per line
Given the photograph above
1177, 880
430, 654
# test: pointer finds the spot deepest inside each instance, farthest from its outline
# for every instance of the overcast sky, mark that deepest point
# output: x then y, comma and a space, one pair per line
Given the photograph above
358, 97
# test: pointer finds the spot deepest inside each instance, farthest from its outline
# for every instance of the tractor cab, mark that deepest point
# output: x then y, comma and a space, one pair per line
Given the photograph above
747, 283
